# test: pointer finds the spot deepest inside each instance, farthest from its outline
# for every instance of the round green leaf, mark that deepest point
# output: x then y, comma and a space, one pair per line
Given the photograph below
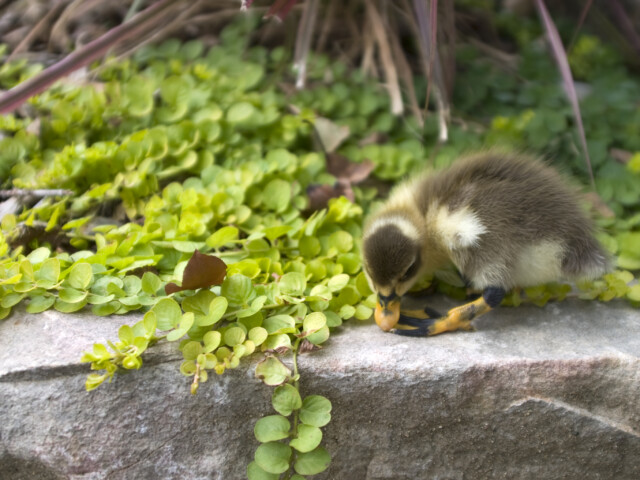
275, 342
273, 457
254, 472
320, 336
272, 371
274, 232
49, 273
277, 324
314, 322
634, 293
199, 303
39, 255
191, 350
11, 299
241, 112
99, 299
222, 236
80, 276
309, 437
315, 411
151, 283
286, 399
168, 313
293, 283
338, 282
132, 285
185, 324
211, 341
272, 428
258, 335
217, 307
310, 247
234, 336
40, 303
66, 307
333, 319
105, 309
313, 462
363, 312
237, 289
277, 195
71, 295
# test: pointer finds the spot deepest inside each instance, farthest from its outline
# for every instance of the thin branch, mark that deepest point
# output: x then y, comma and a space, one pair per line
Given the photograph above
303, 40
390, 72
565, 71
19, 192
139, 24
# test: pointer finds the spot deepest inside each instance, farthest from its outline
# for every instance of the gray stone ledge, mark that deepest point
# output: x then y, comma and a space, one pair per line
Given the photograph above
534, 393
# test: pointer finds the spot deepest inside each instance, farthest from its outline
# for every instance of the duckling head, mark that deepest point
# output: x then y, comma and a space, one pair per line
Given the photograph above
391, 260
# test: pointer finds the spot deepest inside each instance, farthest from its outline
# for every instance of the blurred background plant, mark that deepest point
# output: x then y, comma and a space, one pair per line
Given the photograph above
208, 133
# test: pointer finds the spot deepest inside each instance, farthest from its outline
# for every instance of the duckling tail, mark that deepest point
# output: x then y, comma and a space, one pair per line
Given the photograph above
585, 259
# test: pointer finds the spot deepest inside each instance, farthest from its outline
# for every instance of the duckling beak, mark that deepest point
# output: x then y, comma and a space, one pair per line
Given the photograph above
387, 311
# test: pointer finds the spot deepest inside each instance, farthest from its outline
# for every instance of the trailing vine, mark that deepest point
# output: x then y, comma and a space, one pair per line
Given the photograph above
197, 197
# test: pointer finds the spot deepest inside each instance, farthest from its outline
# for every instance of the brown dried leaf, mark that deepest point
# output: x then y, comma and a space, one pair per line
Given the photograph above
319, 195
306, 346
330, 134
345, 170
202, 271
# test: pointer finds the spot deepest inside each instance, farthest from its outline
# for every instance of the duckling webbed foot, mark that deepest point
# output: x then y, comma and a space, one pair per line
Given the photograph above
458, 318
416, 323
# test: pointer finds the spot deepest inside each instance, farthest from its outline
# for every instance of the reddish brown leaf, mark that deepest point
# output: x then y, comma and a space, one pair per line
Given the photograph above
201, 271
319, 195
280, 8
344, 169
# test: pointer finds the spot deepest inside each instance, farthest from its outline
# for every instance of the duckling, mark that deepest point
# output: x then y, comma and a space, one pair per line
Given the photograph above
504, 220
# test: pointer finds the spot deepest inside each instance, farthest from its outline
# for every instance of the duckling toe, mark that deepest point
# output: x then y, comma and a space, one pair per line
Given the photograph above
407, 331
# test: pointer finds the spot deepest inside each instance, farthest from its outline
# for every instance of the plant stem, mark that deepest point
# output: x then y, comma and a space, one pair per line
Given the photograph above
296, 385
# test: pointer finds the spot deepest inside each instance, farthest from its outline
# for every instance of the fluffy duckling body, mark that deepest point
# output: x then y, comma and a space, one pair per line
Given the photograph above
503, 220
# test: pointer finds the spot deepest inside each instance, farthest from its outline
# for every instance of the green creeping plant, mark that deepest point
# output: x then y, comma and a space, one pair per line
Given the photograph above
182, 150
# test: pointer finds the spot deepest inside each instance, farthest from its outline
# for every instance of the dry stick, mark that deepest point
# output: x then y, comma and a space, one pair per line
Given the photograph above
390, 73
93, 50
303, 40
367, 65
19, 192
407, 78
155, 36
565, 71
326, 26
625, 24
431, 57
39, 27
583, 16
58, 36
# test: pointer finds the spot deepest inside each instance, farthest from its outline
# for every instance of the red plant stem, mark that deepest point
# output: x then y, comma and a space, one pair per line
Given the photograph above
139, 24
565, 71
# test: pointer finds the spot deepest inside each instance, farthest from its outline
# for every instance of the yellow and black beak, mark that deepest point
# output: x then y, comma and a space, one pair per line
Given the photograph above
387, 311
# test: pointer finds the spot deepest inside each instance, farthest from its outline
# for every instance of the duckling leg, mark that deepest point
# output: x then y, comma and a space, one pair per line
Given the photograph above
458, 318
416, 323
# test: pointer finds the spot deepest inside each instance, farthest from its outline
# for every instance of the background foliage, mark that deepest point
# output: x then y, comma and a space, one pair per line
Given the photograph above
183, 150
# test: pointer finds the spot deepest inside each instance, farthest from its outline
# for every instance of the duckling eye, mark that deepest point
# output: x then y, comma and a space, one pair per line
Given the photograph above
411, 271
